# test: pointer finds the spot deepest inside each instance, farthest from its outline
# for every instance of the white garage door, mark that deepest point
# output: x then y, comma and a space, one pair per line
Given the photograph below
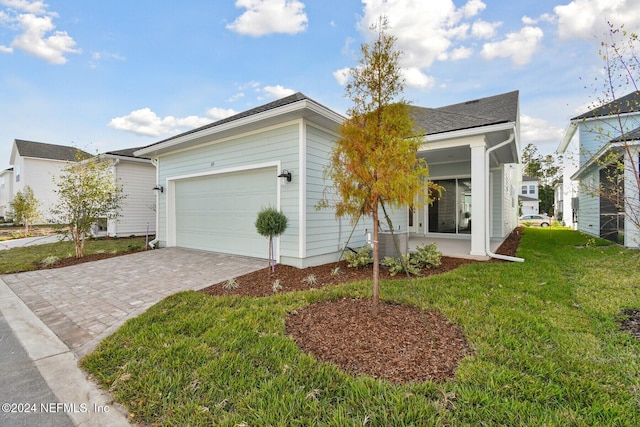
218, 212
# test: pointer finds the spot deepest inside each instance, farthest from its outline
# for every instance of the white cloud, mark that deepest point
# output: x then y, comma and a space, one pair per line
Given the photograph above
416, 78
484, 30
460, 53
520, 46
426, 31
220, 113
585, 18
146, 122
342, 75
236, 97
277, 92
38, 36
270, 16
539, 132
36, 7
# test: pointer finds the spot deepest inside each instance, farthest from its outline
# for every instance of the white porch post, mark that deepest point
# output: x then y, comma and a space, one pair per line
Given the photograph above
479, 198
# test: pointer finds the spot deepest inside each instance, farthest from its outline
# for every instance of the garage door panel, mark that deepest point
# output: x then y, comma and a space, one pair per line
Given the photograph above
218, 212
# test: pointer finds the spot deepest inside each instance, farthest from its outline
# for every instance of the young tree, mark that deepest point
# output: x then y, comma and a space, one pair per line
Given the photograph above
617, 130
271, 223
26, 208
374, 161
87, 192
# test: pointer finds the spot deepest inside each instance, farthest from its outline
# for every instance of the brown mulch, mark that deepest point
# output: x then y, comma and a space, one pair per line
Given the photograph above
399, 344
631, 322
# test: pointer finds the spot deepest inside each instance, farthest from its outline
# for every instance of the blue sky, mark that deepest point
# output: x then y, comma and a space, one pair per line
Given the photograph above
120, 74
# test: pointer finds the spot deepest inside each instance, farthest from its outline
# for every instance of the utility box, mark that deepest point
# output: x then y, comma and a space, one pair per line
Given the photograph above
388, 249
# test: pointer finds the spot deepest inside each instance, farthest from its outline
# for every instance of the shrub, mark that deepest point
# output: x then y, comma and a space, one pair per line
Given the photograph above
231, 284
311, 279
271, 223
276, 286
49, 261
428, 256
396, 265
360, 258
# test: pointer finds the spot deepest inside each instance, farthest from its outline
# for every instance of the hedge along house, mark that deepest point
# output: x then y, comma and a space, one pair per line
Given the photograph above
212, 181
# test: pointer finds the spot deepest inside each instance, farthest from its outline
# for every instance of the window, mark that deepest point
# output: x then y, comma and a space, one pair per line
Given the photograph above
523, 190
17, 170
532, 189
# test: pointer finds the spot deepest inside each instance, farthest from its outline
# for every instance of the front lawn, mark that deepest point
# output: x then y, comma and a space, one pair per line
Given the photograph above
545, 334
63, 253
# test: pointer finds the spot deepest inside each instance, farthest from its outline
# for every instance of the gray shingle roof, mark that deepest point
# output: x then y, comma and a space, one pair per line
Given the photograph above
467, 115
127, 152
633, 135
40, 150
266, 107
627, 104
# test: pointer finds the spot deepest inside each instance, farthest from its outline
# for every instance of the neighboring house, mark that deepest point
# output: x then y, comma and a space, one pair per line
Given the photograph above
528, 197
607, 136
138, 177
37, 164
6, 192
215, 179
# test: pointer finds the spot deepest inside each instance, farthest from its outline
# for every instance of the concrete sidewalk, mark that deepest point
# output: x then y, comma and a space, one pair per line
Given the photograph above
60, 315
31, 241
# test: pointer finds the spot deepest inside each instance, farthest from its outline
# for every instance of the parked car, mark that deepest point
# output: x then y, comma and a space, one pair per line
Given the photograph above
535, 220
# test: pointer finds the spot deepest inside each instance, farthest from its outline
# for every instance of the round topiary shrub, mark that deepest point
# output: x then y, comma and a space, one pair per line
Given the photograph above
271, 223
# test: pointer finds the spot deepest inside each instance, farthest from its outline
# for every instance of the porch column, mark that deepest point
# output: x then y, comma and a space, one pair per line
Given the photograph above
479, 197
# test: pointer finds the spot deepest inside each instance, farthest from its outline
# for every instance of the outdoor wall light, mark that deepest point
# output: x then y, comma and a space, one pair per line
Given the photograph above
159, 188
285, 174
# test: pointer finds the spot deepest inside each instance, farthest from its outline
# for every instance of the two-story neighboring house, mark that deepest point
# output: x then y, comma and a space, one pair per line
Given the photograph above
36, 164
607, 140
6, 192
528, 197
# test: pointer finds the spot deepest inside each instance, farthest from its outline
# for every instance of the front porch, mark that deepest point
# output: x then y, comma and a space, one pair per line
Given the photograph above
453, 247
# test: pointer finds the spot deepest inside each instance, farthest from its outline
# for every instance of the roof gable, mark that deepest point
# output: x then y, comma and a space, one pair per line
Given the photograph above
41, 150
262, 108
481, 112
629, 103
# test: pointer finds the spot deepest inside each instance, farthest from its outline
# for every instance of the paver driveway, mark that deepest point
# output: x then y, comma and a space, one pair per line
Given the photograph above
84, 303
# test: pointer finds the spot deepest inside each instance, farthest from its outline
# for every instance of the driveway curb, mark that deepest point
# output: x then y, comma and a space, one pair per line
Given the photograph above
84, 402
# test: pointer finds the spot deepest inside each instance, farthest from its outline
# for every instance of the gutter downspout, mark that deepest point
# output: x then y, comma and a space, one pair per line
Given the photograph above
486, 209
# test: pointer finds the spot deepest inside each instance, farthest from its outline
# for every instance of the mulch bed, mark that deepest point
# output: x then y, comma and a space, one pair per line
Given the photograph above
399, 344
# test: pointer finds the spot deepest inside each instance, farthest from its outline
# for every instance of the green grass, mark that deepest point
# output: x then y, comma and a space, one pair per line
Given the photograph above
547, 351
27, 258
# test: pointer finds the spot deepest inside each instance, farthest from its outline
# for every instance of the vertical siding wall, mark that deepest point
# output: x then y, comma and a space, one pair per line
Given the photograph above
40, 175
326, 235
276, 143
138, 208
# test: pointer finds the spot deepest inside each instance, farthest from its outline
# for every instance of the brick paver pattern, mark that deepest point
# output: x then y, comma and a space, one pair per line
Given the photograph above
82, 304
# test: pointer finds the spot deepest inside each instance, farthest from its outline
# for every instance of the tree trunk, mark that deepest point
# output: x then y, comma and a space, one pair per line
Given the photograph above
376, 264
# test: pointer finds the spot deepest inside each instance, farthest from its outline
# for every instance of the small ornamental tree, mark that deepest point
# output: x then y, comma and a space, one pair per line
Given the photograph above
87, 192
374, 161
26, 208
271, 223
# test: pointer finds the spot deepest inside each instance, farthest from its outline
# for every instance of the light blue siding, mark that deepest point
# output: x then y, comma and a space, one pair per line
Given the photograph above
279, 143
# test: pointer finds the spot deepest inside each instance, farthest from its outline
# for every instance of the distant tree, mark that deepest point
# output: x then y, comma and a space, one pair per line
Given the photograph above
548, 170
374, 161
87, 192
271, 223
26, 208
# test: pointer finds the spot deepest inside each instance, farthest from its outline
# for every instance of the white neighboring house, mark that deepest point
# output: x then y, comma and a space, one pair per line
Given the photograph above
36, 164
606, 133
529, 196
6, 192
137, 176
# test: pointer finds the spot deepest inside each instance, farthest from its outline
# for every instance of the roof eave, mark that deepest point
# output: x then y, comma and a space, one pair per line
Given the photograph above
171, 144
